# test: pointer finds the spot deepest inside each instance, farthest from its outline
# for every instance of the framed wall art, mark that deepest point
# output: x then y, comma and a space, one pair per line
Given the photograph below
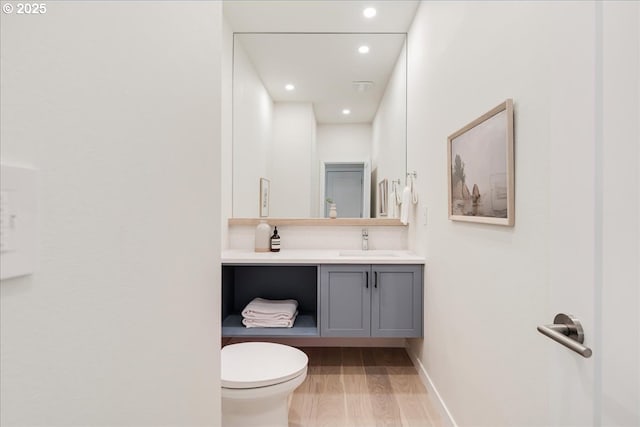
264, 196
383, 197
481, 169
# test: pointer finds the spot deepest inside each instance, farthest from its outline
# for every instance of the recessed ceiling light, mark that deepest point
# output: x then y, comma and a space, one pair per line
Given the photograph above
346, 111
369, 12
363, 49
289, 87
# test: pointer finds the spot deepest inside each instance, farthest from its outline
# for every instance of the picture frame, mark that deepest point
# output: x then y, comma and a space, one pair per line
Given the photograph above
481, 169
265, 189
383, 197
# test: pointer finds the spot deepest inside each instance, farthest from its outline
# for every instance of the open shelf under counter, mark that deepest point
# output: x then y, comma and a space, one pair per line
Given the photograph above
241, 283
329, 222
304, 326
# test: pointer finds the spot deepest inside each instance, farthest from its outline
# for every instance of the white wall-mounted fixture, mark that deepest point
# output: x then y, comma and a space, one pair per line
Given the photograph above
289, 87
369, 12
17, 221
363, 49
362, 86
346, 111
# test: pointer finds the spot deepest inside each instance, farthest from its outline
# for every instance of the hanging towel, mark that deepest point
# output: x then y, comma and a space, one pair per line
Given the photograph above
414, 189
264, 309
270, 323
404, 208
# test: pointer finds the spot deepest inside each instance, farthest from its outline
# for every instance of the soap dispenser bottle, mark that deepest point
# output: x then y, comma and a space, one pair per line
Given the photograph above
275, 241
263, 243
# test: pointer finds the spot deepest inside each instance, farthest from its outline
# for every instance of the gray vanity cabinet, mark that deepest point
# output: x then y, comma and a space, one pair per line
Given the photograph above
371, 300
345, 301
396, 301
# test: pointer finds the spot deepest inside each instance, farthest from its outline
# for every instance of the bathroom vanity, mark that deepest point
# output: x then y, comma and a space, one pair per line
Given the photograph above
339, 293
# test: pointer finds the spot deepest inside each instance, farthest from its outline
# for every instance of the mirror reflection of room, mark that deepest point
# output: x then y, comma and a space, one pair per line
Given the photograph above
322, 117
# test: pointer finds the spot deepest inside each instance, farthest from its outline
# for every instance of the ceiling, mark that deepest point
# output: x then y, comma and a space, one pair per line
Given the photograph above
323, 67
318, 16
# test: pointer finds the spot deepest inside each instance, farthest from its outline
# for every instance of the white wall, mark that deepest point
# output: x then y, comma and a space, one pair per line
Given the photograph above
314, 202
117, 104
388, 150
226, 149
620, 347
324, 237
291, 160
485, 286
344, 142
253, 134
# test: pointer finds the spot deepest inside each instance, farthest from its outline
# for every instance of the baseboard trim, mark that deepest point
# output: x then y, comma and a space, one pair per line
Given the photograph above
447, 418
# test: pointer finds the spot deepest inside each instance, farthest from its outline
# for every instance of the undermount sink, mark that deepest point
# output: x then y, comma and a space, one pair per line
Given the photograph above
356, 253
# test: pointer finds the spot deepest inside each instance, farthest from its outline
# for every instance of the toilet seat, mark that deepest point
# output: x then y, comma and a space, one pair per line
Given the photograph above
260, 364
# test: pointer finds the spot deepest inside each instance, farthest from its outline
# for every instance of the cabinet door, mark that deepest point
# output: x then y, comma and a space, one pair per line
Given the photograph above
345, 301
396, 301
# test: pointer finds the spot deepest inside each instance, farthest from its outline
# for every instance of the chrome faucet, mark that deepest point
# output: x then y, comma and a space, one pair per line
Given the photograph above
365, 239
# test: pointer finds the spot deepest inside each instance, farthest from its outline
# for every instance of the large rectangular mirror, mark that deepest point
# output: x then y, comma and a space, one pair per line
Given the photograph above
321, 117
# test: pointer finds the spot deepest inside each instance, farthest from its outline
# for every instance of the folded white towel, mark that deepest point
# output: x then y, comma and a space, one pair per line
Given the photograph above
264, 309
404, 208
270, 323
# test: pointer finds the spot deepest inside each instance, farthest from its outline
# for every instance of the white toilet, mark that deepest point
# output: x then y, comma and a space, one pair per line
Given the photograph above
257, 379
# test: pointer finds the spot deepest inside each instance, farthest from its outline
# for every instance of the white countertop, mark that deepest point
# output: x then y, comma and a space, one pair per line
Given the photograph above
321, 256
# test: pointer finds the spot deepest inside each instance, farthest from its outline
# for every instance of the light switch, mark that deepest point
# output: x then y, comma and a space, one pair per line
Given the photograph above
7, 223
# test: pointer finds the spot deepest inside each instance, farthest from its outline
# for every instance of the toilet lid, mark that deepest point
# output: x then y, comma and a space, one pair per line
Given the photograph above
260, 364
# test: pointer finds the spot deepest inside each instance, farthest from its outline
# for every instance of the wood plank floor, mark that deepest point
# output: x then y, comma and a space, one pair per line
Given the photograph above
361, 387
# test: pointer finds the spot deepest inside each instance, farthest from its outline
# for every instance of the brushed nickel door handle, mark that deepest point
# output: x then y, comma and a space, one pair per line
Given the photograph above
567, 330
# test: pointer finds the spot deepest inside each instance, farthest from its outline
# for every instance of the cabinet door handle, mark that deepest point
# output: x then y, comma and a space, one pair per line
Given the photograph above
375, 279
366, 280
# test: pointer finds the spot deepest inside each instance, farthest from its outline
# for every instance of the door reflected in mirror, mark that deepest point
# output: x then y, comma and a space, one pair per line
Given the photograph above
345, 186
319, 120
